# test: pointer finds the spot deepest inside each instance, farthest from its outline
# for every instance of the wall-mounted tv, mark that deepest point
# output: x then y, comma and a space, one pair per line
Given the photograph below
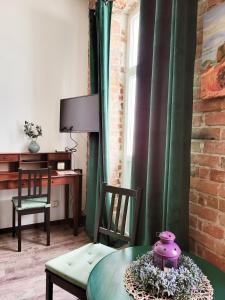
79, 114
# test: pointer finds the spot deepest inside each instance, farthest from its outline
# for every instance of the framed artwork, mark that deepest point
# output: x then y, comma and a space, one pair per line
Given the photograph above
213, 53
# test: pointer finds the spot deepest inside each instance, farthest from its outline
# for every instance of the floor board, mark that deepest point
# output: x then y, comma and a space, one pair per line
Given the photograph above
22, 275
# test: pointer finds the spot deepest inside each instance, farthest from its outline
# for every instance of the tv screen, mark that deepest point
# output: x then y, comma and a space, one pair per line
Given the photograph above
79, 114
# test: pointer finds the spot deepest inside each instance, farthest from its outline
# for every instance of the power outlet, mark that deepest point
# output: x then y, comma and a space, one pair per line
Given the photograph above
55, 203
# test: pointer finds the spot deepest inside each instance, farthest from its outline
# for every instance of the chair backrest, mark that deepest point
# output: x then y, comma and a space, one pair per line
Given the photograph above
112, 213
30, 184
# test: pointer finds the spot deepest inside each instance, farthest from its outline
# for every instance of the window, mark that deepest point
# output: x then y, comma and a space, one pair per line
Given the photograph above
132, 51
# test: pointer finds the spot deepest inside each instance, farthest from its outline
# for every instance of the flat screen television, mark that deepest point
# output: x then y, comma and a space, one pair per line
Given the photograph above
79, 114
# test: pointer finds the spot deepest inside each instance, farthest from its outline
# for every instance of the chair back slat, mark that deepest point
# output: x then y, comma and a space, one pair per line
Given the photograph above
124, 214
111, 210
40, 184
118, 212
105, 223
29, 184
35, 183
31, 180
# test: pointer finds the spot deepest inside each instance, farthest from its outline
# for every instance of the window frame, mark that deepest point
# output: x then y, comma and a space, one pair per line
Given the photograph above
130, 72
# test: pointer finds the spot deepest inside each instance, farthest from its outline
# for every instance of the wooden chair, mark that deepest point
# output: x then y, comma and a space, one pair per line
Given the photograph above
71, 270
31, 200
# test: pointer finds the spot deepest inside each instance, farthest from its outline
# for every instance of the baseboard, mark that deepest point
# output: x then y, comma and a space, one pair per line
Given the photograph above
39, 225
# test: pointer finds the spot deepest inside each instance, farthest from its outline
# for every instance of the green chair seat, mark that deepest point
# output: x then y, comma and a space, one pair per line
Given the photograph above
31, 203
77, 265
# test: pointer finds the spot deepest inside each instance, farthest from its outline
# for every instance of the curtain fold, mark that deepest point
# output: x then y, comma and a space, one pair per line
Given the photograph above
161, 157
100, 24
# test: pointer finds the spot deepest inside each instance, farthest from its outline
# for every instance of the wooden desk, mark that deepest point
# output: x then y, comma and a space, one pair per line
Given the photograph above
9, 176
106, 279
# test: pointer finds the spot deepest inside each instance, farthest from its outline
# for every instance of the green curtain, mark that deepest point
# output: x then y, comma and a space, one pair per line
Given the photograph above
100, 25
161, 159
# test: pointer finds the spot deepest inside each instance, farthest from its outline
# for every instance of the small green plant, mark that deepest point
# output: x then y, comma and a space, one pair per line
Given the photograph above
31, 130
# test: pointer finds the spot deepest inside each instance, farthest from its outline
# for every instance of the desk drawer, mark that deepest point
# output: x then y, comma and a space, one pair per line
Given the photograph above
59, 156
9, 157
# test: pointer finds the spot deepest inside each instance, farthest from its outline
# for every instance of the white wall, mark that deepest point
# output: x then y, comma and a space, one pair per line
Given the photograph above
43, 57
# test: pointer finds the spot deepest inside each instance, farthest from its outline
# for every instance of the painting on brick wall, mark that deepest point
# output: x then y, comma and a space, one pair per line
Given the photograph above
213, 53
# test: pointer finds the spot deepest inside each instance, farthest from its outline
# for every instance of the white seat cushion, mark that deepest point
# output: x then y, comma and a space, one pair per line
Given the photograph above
31, 203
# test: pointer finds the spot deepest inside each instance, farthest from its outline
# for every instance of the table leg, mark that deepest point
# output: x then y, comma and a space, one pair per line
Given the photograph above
76, 200
67, 195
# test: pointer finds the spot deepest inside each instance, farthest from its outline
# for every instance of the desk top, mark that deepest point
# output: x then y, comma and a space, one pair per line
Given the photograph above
6, 176
106, 279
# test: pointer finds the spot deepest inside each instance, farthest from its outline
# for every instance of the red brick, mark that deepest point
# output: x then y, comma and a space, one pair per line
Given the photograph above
217, 175
197, 90
200, 225
221, 190
195, 146
222, 134
204, 186
203, 212
193, 221
213, 258
193, 197
200, 237
213, 230
206, 106
202, 200
222, 162
206, 133
196, 121
216, 118
216, 260
214, 147
200, 250
218, 247
222, 221
212, 202
194, 171
215, 245
204, 172
205, 160
222, 205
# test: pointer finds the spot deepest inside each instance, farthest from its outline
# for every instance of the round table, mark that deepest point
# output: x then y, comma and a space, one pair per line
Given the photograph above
106, 279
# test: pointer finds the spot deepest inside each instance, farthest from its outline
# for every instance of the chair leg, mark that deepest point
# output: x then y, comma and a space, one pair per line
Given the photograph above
45, 221
47, 212
49, 287
13, 221
19, 232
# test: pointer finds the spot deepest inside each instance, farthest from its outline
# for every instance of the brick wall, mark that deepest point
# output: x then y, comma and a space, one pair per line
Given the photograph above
207, 193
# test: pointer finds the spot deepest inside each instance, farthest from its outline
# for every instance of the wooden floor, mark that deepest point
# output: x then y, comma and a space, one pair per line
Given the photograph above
22, 275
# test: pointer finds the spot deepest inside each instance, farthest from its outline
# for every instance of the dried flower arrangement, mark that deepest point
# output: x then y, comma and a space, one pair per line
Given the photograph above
177, 284
31, 130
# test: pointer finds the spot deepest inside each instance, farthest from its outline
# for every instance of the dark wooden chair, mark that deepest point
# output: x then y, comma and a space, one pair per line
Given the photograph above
31, 199
71, 270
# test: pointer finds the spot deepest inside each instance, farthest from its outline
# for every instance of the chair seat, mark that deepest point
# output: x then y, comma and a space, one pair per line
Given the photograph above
31, 203
77, 265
